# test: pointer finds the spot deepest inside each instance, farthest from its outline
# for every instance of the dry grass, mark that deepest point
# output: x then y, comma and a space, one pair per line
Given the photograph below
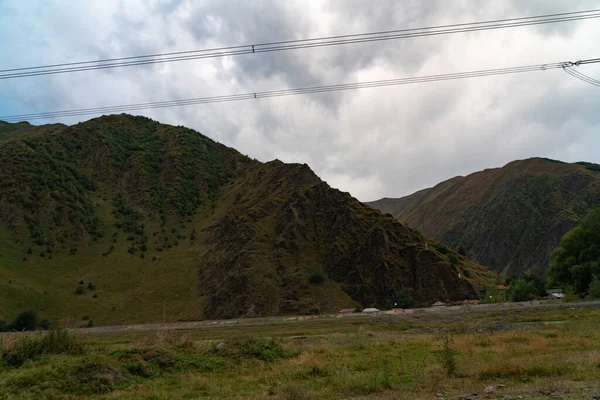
375, 360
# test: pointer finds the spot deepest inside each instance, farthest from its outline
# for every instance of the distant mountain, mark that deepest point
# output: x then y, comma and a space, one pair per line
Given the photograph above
508, 219
121, 219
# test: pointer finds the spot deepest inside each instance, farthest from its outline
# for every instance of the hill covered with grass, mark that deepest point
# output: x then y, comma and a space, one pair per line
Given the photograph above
508, 219
121, 219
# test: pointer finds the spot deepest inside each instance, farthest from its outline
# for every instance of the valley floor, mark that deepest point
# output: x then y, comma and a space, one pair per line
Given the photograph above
535, 352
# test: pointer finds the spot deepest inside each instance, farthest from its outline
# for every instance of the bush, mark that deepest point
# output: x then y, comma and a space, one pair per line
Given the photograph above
263, 349
441, 248
316, 276
25, 321
24, 348
594, 290
570, 295
447, 356
522, 290
80, 290
91, 286
404, 299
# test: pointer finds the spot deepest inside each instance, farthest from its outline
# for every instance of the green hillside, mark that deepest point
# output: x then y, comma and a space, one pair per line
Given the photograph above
121, 219
508, 219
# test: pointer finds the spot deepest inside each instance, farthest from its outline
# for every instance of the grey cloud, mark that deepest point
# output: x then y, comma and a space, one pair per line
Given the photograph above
372, 143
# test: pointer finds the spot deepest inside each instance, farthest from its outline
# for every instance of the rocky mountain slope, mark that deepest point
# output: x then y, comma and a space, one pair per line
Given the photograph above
508, 219
122, 219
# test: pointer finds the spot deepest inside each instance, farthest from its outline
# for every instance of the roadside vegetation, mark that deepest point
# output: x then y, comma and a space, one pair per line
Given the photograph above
575, 263
530, 353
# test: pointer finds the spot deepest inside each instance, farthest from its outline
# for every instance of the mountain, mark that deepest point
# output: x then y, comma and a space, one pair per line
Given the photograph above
508, 219
121, 219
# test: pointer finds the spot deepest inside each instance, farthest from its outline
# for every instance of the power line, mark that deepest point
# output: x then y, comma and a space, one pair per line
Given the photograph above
295, 44
582, 76
291, 92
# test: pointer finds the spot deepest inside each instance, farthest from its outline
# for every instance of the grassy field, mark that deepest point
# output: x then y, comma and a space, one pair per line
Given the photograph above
536, 354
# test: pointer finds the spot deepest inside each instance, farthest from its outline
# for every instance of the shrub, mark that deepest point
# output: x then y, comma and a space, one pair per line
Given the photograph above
570, 295
263, 349
138, 368
454, 258
91, 286
404, 299
594, 289
80, 290
316, 276
447, 356
441, 248
25, 321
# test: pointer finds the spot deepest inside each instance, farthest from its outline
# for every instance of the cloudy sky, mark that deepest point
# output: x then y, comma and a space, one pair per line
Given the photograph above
373, 142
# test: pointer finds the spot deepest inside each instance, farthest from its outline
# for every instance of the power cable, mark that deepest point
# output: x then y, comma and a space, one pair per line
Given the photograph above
582, 76
295, 44
298, 91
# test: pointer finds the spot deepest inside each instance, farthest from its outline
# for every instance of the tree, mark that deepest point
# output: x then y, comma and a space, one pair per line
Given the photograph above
25, 321
523, 290
527, 286
576, 262
404, 299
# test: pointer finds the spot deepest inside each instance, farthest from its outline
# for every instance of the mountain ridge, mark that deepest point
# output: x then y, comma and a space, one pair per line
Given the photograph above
121, 218
508, 218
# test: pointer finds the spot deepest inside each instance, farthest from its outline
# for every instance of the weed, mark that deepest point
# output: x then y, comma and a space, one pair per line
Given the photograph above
447, 355
296, 392
482, 340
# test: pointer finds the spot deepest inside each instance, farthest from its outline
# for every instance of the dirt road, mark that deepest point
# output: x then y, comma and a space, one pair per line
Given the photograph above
332, 317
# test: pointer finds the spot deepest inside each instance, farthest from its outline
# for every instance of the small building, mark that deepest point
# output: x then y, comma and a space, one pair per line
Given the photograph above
370, 310
502, 287
439, 304
346, 311
554, 294
470, 302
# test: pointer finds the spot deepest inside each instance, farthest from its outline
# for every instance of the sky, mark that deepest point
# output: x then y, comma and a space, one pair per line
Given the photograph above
372, 143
